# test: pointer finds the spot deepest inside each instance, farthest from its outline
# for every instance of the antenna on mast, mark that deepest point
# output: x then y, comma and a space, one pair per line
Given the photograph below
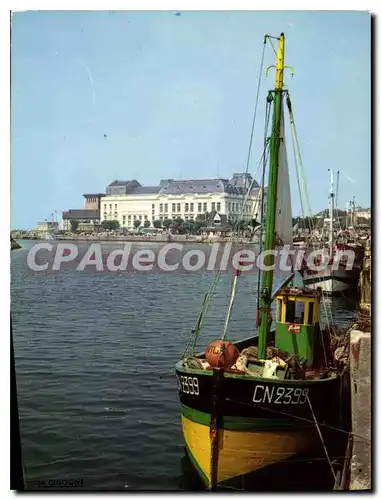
337, 190
331, 205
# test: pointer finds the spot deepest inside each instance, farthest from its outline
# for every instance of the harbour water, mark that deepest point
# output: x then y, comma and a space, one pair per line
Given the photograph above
94, 366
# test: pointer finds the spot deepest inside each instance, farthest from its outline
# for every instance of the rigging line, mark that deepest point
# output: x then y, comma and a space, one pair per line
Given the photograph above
299, 165
299, 157
301, 177
337, 206
235, 279
272, 45
230, 308
226, 487
240, 215
261, 229
368, 441
205, 305
295, 156
208, 295
301, 460
301, 201
321, 437
323, 344
266, 143
263, 157
256, 106
239, 218
303, 189
196, 330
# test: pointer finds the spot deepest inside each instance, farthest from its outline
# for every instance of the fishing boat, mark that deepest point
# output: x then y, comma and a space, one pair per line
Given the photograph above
263, 400
338, 274
335, 278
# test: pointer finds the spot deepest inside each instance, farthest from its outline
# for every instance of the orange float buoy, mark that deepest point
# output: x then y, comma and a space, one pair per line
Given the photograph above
221, 354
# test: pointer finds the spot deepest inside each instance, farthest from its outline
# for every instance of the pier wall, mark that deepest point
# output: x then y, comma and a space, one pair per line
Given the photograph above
360, 352
361, 387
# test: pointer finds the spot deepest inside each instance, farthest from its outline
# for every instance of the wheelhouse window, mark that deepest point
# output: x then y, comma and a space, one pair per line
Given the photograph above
290, 311
311, 306
279, 310
299, 311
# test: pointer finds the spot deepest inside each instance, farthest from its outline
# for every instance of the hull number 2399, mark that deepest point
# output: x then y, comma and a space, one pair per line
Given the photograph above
280, 395
188, 385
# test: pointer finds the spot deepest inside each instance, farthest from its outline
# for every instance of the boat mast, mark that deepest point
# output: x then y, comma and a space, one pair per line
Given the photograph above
337, 192
266, 293
331, 203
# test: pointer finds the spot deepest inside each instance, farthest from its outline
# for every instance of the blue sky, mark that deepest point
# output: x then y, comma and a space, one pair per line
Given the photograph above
174, 96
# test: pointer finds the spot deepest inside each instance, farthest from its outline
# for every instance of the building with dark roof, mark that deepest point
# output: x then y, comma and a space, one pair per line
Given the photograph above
129, 201
93, 201
85, 220
216, 224
118, 188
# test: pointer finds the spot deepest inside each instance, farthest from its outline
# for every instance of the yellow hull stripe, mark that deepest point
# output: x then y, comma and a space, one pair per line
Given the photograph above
241, 452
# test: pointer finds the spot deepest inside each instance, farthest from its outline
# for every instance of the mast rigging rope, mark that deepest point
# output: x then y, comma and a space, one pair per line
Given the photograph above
255, 107
305, 205
207, 298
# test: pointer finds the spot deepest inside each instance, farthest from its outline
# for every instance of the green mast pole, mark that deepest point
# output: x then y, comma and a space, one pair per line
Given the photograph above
265, 309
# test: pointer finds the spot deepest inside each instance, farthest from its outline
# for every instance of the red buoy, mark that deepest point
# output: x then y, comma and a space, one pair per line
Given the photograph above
221, 354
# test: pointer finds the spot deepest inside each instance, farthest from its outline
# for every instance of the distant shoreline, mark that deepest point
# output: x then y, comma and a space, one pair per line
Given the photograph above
175, 238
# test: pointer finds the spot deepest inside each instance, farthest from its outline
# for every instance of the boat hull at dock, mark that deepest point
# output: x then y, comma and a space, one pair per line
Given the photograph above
242, 452
336, 278
250, 423
332, 281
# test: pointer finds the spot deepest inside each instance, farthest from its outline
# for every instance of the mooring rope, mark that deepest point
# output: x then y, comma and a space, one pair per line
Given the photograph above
366, 440
321, 437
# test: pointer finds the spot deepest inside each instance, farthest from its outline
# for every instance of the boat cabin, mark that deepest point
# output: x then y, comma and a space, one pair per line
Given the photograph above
297, 322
